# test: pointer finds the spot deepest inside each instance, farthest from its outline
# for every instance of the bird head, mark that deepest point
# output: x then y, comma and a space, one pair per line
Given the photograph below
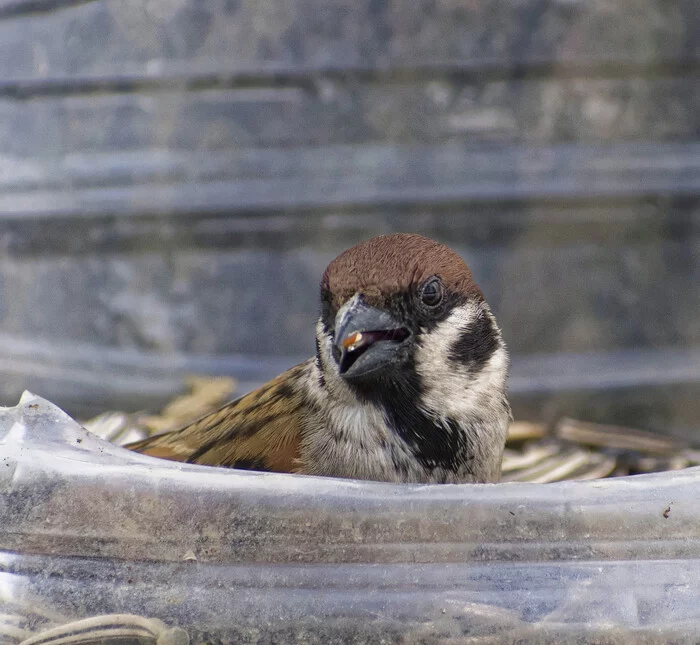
400, 307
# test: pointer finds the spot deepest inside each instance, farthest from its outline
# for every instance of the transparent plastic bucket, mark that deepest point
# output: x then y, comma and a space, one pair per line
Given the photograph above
98, 544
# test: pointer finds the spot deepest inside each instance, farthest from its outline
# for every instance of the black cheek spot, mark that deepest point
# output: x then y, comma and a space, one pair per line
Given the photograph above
476, 345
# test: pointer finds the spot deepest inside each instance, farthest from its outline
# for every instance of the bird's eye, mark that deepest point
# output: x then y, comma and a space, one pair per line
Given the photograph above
432, 292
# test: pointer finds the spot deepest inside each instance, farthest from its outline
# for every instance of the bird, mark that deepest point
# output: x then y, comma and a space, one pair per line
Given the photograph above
407, 385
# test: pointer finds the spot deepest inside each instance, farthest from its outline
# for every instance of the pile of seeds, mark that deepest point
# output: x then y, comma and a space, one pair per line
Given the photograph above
534, 452
574, 449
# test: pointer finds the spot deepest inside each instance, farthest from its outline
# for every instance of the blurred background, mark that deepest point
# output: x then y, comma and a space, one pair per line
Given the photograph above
175, 175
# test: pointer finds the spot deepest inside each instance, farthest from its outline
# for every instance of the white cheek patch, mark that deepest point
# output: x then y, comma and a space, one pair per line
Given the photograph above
451, 388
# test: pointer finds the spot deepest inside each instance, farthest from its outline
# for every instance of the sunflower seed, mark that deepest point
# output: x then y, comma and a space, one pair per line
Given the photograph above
618, 437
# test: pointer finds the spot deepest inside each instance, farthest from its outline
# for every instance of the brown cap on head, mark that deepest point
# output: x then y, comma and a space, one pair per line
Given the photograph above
392, 263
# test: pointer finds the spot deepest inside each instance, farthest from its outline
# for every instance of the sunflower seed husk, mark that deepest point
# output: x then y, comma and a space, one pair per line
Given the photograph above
551, 469
205, 395
526, 431
648, 464
618, 437
532, 455
116, 427
598, 466
693, 456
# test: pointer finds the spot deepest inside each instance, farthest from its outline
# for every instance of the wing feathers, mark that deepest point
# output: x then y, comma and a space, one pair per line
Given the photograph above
260, 431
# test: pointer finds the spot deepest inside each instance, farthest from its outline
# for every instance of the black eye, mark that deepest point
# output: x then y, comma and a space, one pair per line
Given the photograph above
431, 293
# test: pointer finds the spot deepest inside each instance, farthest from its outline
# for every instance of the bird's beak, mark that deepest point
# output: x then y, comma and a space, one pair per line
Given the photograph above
367, 338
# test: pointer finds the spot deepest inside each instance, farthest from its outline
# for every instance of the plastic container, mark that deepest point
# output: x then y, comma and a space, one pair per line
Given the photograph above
154, 551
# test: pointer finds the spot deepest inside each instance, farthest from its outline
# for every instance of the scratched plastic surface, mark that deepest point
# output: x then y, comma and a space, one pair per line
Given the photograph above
99, 545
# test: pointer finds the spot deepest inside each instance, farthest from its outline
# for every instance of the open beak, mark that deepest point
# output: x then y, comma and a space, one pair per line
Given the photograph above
367, 338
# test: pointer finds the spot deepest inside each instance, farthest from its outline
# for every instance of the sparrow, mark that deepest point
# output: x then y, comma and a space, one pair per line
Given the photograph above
408, 381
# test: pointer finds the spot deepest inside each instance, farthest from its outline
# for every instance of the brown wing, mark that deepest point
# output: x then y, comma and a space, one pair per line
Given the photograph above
259, 431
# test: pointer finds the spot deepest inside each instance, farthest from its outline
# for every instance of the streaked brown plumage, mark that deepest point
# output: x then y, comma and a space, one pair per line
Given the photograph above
260, 430
408, 382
